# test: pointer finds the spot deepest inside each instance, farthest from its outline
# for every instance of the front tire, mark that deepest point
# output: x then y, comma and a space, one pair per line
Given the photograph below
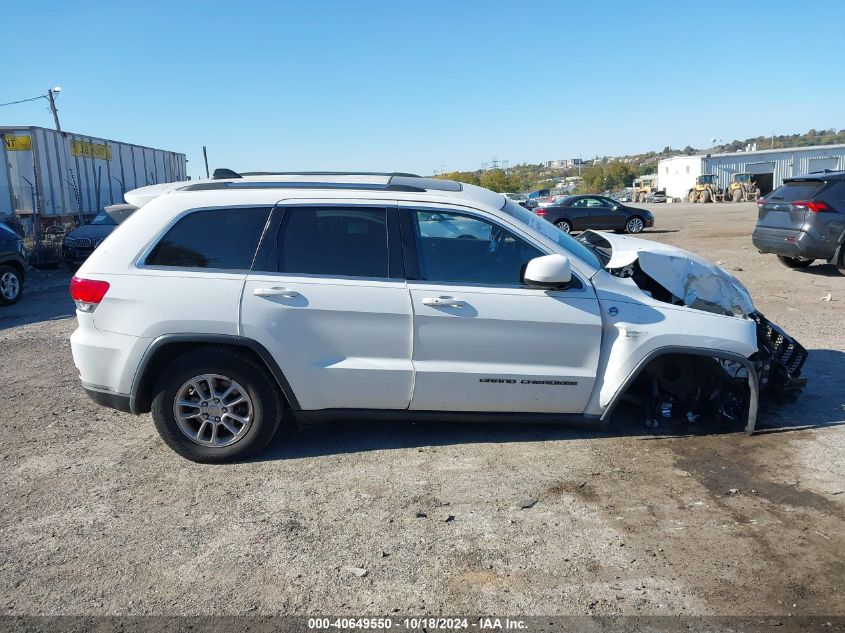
795, 262
11, 285
214, 405
737, 195
564, 225
634, 225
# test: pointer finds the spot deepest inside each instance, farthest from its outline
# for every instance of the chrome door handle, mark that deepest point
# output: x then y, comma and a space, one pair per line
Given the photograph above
444, 302
287, 293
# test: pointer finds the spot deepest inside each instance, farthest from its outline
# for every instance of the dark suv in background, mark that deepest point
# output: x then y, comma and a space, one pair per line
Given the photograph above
804, 220
12, 266
81, 242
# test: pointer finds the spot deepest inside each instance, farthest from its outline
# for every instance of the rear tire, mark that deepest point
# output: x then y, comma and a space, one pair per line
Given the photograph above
795, 262
261, 398
564, 225
840, 263
11, 285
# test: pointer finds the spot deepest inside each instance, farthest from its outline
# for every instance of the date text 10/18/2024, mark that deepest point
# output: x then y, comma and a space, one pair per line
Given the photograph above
486, 623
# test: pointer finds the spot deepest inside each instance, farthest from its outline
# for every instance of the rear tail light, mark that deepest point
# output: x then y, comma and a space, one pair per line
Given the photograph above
87, 293
540, 212
814, 206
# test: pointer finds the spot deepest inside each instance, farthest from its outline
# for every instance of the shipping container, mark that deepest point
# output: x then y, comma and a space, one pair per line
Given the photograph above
66, 174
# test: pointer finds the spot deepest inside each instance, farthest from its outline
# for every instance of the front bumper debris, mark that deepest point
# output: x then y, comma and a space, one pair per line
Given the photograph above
780, 359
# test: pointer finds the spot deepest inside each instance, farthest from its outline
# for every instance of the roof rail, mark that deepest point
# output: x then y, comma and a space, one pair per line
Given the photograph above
328, 173
223, 173
394, 183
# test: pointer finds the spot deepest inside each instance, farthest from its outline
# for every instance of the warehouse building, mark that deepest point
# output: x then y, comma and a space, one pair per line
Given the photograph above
769, 167
62, 173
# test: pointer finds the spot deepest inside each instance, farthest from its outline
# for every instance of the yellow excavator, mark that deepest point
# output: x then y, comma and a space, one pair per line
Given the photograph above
643, 186
742, 189
706, 189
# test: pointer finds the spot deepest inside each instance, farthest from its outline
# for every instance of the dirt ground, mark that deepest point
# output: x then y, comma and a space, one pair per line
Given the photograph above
99, 517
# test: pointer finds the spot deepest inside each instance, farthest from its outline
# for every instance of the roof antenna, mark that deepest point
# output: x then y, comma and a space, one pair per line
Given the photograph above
224, 174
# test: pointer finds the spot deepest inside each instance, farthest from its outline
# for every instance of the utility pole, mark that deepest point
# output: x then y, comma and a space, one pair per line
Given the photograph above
51, 97
205, 158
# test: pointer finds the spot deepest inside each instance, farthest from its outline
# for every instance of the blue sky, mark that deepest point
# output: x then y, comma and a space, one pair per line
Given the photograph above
412, 86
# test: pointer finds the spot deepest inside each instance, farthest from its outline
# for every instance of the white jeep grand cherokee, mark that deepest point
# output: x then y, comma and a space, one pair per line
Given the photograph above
223, 305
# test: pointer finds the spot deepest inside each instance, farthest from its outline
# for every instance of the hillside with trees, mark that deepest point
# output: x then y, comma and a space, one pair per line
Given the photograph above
612, 173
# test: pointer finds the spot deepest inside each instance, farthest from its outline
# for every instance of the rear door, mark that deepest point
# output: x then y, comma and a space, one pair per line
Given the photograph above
327, 298
482, 340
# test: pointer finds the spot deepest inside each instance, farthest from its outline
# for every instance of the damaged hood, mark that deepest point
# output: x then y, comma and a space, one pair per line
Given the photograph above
694, 281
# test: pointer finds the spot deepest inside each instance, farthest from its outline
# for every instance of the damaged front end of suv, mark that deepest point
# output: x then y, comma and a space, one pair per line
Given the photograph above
711, 356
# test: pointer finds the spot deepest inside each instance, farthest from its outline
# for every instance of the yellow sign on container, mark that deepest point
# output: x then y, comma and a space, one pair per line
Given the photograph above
17, 143
90, 150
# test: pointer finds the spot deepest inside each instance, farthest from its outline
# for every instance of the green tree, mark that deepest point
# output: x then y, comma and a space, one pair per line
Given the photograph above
618, 175
499, 180
592, 180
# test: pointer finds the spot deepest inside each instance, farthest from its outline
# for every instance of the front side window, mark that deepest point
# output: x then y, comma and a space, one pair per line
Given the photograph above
336, 241
454, 247
215, 238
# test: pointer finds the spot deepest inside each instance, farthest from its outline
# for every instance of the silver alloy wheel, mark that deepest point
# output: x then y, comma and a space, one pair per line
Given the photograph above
213, 410
10, 286
635, 225
563, 225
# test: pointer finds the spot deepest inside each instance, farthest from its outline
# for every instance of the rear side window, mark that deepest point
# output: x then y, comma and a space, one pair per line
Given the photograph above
347, 242
217, 238
791, 191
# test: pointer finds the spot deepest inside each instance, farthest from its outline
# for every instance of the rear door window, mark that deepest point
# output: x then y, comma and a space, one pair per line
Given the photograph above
336, 241
214, 238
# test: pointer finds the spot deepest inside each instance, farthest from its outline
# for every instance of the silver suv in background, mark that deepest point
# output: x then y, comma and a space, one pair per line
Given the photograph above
804, 220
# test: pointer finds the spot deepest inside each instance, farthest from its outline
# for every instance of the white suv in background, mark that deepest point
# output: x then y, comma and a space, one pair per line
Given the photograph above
223, 305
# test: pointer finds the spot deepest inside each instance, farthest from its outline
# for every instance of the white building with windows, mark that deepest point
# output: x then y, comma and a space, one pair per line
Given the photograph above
769, 166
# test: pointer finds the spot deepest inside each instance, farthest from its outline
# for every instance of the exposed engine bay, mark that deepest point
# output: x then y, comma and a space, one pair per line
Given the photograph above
687, 388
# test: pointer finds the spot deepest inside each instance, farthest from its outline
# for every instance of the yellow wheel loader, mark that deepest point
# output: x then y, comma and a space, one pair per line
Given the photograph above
742, 189
643, 186
706, 189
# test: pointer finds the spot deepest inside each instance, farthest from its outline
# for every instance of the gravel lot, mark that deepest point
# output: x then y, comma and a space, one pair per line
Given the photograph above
99, 517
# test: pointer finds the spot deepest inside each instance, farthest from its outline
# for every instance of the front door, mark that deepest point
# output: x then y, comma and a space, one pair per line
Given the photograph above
328, 300
483, 341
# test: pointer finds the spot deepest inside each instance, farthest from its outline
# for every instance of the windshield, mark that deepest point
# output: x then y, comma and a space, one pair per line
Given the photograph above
549, 230
103, 218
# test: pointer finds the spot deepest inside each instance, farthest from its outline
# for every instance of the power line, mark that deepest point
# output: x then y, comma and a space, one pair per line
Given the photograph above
24, 100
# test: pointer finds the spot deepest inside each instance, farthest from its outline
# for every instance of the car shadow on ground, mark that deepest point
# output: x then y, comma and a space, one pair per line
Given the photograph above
822, 270
821, 405
45, 298
35, 306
